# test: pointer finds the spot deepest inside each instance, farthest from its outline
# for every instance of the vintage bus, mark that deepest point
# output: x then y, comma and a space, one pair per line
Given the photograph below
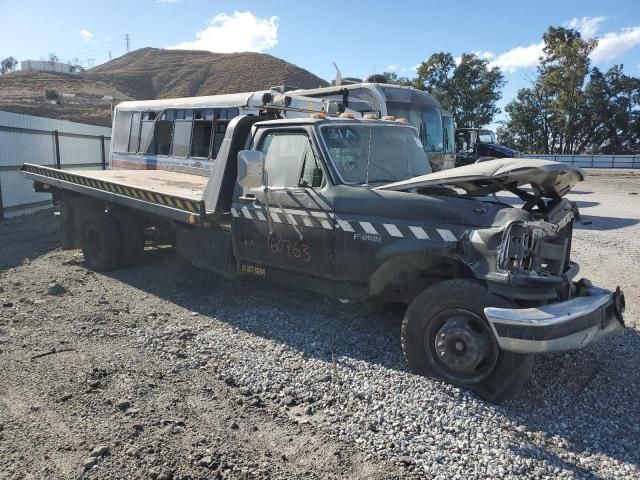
188, 132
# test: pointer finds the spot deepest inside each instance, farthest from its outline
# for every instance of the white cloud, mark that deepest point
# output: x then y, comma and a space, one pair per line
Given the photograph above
610, 45
518, 57
86, 35
614, 44
401, 69
587, 26
485, 55
239, 32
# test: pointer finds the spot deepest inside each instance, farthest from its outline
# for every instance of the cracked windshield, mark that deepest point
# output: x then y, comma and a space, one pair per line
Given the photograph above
375, 154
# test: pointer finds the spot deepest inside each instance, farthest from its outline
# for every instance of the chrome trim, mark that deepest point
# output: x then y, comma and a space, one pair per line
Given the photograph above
556, 314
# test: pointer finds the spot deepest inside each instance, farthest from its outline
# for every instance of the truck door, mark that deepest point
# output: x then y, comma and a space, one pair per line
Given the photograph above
290, 226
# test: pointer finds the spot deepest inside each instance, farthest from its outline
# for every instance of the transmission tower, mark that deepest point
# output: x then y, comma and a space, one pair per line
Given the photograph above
90, 62
127, 42
109, 54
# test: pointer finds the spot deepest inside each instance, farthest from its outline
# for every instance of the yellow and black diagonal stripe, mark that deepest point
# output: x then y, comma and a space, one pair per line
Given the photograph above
191, 206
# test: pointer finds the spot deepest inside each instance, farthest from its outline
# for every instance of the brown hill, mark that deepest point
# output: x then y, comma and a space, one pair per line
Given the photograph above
24, 92
147, 73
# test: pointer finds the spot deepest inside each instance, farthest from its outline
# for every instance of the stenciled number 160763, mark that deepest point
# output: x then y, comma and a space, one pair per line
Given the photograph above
298, 250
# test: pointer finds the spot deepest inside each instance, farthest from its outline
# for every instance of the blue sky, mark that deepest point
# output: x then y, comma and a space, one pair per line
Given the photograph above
361, 37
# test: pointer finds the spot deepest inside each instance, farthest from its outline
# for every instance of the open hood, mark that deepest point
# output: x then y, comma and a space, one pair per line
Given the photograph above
547, 178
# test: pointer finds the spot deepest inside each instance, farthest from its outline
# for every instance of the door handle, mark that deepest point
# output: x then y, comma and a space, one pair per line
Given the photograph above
249, 197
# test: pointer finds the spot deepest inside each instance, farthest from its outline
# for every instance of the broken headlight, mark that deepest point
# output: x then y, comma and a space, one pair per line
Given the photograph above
534, 248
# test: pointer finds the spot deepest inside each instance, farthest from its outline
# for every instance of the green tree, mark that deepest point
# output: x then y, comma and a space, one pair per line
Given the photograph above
572, 108
7, 65
469, 89
563, 70
529, 124
611, 113
53, 58
394, 79
76, 66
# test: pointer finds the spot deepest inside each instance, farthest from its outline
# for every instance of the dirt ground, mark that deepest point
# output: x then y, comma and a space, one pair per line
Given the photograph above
109, 376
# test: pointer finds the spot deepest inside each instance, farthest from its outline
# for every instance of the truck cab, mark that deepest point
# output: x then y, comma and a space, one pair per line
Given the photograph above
350, 207
478, 145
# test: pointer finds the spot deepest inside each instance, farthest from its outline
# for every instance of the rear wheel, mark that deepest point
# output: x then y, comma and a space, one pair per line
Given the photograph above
100, 242
131, 236
446, 335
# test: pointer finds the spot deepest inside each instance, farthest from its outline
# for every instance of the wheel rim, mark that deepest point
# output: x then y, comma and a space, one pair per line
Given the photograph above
461, 345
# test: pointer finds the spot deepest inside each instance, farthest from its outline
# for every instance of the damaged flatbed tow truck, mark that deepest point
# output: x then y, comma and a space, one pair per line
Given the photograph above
349, 208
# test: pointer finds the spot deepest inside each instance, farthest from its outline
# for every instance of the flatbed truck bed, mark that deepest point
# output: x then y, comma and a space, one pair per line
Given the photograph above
168, 193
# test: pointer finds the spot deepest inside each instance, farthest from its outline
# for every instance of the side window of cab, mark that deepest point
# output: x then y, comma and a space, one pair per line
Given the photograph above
290, 161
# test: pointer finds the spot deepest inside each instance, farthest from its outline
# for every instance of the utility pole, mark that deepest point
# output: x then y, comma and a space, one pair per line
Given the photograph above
90, 62
127, 42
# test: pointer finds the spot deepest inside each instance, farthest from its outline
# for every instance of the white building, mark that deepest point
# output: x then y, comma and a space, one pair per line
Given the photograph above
30, 139
44, 66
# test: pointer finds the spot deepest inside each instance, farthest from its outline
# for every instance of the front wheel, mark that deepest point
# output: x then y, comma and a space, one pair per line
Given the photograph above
446, 335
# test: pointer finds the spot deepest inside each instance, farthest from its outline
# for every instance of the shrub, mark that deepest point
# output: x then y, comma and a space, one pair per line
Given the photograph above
51, 94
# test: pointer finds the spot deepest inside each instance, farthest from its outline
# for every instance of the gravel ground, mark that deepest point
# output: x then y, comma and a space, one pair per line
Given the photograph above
165, 371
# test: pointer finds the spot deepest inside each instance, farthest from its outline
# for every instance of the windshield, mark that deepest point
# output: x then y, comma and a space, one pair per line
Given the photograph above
426, 120
448, 134
486, 136
375, 153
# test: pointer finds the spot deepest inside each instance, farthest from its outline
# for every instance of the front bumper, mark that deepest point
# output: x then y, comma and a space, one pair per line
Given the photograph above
568, 325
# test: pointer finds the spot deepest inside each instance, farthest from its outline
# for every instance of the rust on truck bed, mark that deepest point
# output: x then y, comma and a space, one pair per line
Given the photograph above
177, 194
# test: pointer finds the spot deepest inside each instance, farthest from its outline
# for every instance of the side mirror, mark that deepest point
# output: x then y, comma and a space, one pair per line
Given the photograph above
250, 166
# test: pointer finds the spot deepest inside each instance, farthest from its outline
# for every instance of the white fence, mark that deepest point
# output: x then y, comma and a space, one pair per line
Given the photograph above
592, 161
43, 141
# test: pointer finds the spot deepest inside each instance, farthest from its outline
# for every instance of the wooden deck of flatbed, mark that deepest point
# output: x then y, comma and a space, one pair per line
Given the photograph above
169, 193
167, 182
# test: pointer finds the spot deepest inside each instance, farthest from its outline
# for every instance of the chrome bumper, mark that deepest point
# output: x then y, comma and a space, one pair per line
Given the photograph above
568, 325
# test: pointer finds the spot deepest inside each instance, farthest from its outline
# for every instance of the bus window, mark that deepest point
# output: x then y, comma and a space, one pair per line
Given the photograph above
202, 130
146, 131
161, 142
449, 132
182, 133
222, 115
134, 138
121, 131
220, 129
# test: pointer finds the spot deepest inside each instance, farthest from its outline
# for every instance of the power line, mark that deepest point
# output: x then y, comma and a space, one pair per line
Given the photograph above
127, 42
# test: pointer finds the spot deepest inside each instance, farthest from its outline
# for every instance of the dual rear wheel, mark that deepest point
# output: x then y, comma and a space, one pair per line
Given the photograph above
111, 240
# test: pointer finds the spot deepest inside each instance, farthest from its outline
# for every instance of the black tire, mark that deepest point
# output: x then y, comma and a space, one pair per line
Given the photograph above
100, 242
131, 237
445, 335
